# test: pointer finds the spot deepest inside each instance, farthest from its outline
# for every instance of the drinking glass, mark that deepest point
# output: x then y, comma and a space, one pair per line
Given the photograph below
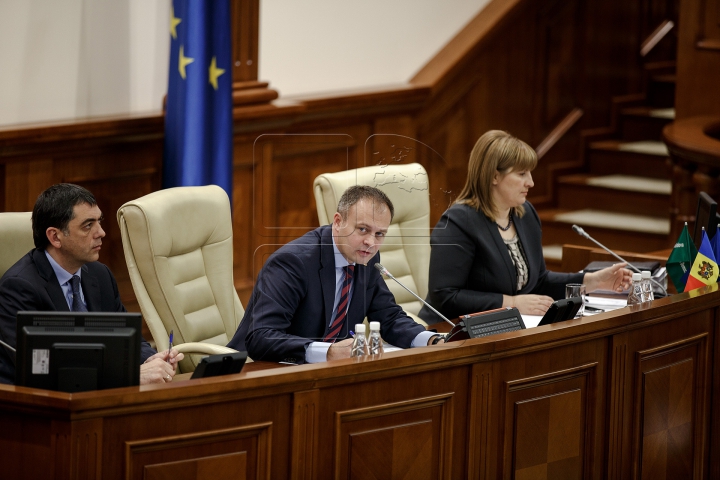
576, 290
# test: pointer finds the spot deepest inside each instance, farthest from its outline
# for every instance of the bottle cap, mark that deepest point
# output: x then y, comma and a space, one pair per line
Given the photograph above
375, 326
359, 328
646, 274
636, 277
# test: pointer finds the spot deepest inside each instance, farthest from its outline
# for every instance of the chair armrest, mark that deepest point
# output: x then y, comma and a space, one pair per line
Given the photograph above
202, 348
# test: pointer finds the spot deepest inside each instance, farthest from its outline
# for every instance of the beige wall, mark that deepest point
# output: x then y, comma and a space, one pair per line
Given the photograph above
69, 59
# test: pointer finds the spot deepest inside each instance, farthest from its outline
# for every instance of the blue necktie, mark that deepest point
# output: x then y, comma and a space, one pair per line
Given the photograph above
77, 304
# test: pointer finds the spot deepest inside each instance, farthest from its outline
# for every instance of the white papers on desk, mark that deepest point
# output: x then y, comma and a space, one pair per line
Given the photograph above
387, 348
531, 321
606, 303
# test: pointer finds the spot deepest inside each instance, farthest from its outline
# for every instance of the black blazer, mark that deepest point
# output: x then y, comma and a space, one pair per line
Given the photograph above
293, 298
471, 269
31, 284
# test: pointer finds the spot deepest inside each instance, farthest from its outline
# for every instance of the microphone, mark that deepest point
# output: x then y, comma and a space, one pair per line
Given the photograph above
584, 234
385, 272
7, 346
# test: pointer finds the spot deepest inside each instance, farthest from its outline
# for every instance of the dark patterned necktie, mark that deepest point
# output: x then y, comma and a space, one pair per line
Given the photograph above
341, 311
77, 304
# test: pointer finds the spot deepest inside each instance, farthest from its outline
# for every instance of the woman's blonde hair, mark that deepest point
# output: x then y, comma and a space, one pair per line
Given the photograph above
495, 151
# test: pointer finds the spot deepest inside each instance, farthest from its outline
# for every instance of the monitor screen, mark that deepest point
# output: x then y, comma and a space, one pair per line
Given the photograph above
707, 217
78, 351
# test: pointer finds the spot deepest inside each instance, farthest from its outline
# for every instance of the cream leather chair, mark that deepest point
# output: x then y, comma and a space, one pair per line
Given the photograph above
406, 250
16, 238
179, 251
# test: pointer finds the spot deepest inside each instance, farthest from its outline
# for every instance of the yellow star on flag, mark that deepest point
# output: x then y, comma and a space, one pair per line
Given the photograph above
174, 21
183, 62
214, 73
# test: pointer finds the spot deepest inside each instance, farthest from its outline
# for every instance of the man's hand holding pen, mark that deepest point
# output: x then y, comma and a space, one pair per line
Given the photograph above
161, 367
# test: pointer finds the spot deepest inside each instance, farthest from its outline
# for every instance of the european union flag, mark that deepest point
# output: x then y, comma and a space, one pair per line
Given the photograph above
198, 121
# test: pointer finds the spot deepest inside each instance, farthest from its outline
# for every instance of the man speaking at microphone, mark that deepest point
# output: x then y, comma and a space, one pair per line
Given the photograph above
312, 291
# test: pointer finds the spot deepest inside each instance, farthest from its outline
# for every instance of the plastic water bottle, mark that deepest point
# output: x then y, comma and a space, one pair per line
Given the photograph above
359, 346
647, 287
636, 292
375, 346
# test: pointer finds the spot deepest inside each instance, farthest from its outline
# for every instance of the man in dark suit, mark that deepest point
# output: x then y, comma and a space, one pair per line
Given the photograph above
62, 274
312, 291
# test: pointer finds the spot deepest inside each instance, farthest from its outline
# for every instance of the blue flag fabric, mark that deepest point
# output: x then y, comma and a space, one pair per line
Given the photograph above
198, 121
704, 270
716, 243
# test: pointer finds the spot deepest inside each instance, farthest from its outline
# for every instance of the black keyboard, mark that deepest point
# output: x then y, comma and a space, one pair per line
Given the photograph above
486, 324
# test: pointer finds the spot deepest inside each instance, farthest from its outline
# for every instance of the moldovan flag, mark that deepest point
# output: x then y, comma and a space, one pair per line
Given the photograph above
680, 260
704, 270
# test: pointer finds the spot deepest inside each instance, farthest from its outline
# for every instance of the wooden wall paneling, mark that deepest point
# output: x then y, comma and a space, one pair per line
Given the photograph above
670, 414
526, 437
390, 427
410, 439
24, 439
549, 425
242, 211
253, 434
709, 27
77, 449
24, 180
668, 431
227, 454
611, 67
481, 447
714, 467
559, 46
618, 415
245, 27
446, 171
698, 59
305, 435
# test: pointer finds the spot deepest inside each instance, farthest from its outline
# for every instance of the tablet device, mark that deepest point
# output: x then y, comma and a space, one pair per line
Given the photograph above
561, 310
222, 364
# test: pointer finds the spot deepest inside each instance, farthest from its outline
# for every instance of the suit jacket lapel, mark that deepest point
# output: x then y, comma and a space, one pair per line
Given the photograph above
327, 275
52, 286
91, 290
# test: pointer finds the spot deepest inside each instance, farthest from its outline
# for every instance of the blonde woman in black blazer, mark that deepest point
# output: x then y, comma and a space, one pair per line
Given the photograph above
487, 248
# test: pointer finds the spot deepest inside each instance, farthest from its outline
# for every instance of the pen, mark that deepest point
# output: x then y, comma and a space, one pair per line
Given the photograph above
352, 334
170, 347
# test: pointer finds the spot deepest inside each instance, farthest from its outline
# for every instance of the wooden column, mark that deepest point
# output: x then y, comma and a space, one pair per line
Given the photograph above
247, 90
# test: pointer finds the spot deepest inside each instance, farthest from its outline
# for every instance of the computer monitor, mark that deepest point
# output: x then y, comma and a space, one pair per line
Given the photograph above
77, 351
707, 217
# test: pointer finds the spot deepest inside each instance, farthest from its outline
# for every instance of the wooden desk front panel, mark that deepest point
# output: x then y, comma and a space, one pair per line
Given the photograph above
625, 394
659, 392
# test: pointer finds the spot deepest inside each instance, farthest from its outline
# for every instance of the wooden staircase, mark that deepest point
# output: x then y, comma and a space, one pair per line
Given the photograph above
623, 197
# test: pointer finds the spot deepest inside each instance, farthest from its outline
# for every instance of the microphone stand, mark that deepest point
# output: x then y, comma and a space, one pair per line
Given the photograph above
385, 271
584, 234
